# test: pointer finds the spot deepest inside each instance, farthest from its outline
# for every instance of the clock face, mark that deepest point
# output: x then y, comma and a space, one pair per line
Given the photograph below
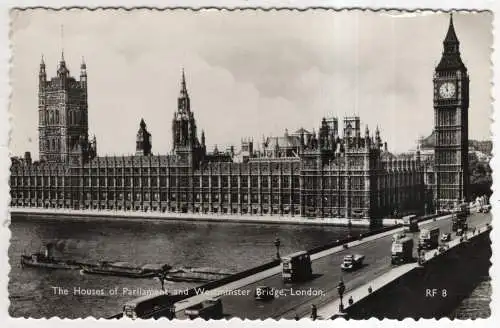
447, 90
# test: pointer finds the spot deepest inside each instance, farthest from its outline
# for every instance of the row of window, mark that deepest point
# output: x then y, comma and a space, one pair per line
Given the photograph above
52, 117
448, 178
447, 138
293, 198
355, 183
447, 157
252, 198
447, 117
448, 193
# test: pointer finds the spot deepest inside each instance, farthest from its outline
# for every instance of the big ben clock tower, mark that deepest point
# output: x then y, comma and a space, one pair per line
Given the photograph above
451, 105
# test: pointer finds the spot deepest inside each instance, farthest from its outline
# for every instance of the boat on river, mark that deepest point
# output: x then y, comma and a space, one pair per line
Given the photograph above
41, 260
47, 260
124, 269
195, 274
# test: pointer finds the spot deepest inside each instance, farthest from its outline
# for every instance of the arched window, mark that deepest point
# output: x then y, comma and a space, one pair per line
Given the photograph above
51, 117
46, 118
57, 117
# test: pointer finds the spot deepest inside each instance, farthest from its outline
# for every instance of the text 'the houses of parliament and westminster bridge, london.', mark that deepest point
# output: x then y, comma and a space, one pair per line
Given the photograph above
342, 171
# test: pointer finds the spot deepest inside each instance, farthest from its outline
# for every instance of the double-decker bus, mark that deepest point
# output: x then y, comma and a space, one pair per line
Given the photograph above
151, 306
296, 267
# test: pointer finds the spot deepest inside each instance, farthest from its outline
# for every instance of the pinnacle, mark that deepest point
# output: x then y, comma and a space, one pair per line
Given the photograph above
451, 36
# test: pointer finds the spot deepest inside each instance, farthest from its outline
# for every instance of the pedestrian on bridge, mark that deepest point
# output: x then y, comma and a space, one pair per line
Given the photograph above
314, 312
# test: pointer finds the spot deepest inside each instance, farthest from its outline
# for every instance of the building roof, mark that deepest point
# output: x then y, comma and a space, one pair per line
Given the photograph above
300, 131
283, 142
429, 142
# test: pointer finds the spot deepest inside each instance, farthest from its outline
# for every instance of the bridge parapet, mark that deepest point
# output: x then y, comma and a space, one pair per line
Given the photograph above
362, 293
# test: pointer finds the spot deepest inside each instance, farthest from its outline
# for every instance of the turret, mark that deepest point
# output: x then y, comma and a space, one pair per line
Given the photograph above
302, 141
203, 139
83, 74
62, 71
367, 137
42, 75
276, 148
143, 143
378, 140
314, 141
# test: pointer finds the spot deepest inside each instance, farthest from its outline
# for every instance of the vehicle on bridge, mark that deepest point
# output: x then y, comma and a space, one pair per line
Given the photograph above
352, 262
459, 217
445, 237
296, 267
208, 309
402, 251
484, 208
264, 293
398, 235
151, 306
429, 238
411, 223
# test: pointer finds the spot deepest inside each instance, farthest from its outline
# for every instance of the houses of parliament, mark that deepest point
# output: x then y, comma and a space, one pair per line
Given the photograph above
342, 170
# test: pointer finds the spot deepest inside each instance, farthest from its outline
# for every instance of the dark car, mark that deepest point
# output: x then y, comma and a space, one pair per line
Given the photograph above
446, 237
263, 293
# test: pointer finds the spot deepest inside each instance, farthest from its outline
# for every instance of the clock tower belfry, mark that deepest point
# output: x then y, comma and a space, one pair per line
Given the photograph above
451, 125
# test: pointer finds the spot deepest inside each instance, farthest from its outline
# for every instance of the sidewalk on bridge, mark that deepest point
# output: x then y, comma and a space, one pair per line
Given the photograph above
331, 309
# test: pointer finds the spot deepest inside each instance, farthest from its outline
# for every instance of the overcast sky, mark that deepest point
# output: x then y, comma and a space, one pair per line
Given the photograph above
249, 73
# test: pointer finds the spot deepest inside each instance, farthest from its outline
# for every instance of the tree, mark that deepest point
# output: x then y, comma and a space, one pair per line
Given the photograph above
479, 177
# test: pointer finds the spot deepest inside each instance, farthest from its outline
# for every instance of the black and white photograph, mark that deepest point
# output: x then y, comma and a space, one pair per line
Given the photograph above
253, 164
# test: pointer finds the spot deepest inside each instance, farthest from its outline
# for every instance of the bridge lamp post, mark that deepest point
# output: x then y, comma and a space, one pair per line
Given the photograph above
341, 290
277, 244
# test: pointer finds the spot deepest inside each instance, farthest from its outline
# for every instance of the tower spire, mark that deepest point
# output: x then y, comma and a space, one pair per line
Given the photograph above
183, 101
62, 43
183, 84
451, 36
450, 59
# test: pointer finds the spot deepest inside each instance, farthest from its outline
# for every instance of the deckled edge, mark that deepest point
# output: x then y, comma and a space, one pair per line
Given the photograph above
5, 118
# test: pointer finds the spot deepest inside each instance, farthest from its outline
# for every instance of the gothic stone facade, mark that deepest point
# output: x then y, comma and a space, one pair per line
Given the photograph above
299, 174
337, 173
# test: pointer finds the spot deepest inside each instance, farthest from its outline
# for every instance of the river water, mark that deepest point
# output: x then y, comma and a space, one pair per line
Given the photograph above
35, 292
477, 305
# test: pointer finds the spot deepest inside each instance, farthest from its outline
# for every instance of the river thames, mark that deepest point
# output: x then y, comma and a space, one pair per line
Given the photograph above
35, 292
234, 247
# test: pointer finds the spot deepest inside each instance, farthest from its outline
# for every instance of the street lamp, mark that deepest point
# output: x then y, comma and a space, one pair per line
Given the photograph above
277, 243
341, 290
